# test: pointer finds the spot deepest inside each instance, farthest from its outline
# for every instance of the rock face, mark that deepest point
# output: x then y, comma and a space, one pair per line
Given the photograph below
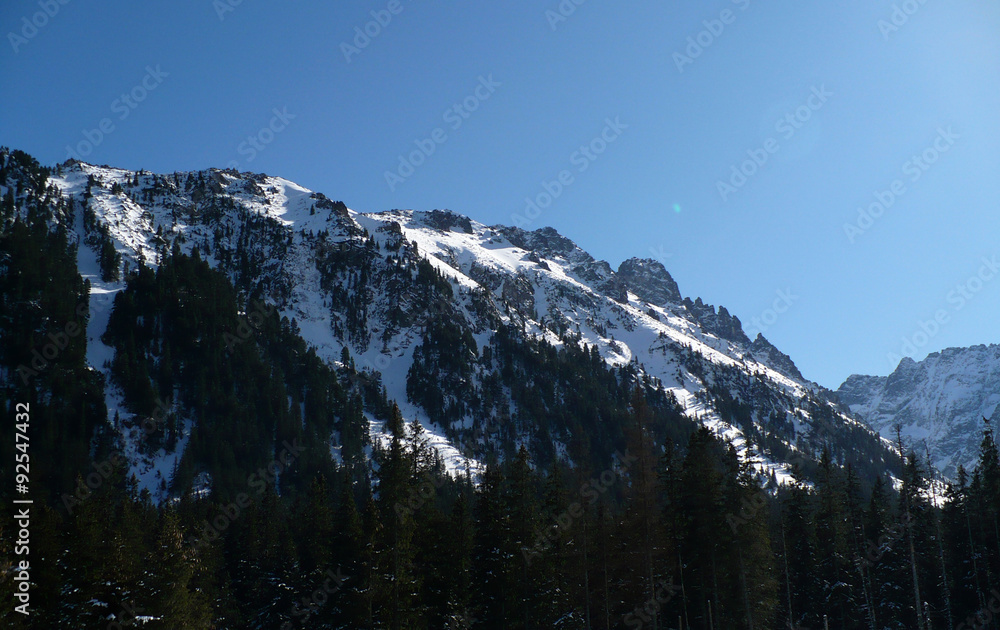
940, 402
650, 281
720, 324
766, 353
446, 221
546, 242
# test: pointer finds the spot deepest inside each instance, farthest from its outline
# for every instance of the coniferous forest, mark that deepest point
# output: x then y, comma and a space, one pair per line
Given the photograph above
656, 523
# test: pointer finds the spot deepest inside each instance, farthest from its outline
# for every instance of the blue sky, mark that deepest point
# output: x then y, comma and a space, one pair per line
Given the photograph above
840, 104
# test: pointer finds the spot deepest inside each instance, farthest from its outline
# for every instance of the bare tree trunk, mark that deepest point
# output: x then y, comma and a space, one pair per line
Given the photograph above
866, 583
972, 550
940, 537
607, 604
917, 604
586, 576
746, 593
788, 577
684, 597
869, 597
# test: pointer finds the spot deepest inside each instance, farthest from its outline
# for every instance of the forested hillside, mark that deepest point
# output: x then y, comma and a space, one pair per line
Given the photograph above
199, 460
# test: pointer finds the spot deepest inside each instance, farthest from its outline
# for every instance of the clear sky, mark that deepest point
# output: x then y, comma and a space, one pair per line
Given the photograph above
833, 99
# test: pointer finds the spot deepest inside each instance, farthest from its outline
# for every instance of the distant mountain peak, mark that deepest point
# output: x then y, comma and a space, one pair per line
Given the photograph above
939, 402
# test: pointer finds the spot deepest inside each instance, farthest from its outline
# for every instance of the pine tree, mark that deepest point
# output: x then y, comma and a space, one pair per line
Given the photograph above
176, 605
399, 584
521, 504
316, 531
703, 506
492, 552
886, 560
556, 568
832, 542
916, 526
458, 566
643, 534
987, 492
757, 586
857, 542
968, 582
800, 557
349, 550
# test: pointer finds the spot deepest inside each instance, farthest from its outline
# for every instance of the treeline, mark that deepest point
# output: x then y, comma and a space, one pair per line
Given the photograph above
684, 536
524, 548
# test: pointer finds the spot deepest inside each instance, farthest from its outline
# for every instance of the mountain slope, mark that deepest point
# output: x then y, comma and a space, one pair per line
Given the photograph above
435, 301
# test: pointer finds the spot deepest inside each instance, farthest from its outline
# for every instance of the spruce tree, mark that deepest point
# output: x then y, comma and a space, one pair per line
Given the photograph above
395, 545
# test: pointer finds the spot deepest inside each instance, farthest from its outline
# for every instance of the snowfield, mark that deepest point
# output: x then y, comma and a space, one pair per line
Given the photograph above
548, 283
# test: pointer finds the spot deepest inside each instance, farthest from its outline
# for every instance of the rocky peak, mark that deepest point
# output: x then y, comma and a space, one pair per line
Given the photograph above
939, 402
721, 323
445, 220
765, 352
546, 241
650, 281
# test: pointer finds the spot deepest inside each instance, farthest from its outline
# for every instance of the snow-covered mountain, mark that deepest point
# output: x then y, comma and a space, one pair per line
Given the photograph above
347, 279
940, 402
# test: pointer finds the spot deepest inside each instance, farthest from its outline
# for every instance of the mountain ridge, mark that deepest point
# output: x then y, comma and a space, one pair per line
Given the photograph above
940, 402
345, 279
